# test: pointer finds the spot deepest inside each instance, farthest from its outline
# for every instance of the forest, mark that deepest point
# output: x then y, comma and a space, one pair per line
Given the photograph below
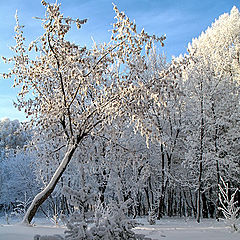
117, 132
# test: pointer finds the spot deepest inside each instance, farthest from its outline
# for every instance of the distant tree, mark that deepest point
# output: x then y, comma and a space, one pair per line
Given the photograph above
12, 140
18, 178
11, 134
75, 89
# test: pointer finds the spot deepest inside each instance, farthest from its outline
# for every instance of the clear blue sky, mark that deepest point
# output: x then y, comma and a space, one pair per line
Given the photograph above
180, 20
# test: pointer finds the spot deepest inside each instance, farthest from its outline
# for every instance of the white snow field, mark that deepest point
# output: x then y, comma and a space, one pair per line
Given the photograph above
187, 229
167, 228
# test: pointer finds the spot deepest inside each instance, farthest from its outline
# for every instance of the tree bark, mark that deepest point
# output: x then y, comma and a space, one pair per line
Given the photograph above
211, 205
162, 197
217, 155
199, 193
200, 158
204, 206
45, 193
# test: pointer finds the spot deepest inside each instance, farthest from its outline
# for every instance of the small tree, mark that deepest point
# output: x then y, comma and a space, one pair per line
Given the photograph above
74, 89
229, 206
109, 222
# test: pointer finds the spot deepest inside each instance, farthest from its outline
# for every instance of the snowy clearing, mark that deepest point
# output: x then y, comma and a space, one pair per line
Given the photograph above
168, 228
19, 232
187, 229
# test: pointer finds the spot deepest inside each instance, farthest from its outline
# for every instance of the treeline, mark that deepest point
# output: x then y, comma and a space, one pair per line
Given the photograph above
166, 157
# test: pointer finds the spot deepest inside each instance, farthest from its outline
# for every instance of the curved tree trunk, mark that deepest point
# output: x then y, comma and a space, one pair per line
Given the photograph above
45, 193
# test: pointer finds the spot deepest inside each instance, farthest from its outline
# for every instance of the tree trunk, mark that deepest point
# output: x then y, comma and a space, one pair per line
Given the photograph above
194, 206
45, 193
217, 155
200, 160
170, 202
161, 200
199, 193
211, 205
148, 198
181, 210
204, 206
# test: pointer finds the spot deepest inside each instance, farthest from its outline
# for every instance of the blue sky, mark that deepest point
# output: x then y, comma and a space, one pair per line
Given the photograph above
180, 20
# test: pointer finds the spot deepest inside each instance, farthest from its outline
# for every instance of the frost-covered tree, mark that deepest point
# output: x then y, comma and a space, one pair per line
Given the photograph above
211, 116
229, 205
12, 135
115, 163
75, 89
163, 121
14, 163
18, 179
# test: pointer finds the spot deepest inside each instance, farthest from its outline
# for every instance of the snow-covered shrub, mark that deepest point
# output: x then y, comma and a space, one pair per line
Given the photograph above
229, 206
109, 224
20, 207
103, 222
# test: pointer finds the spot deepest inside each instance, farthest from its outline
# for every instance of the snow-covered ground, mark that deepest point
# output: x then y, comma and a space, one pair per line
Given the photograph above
187, 229
15, 231
168, 228
18, 232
